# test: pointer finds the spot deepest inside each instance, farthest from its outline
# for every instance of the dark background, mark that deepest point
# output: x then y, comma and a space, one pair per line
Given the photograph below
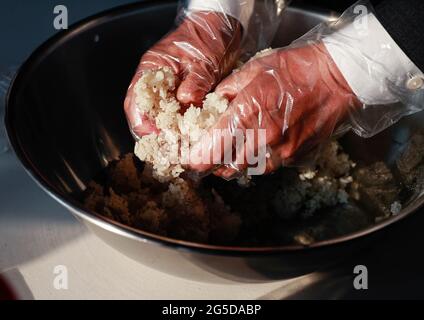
24, 24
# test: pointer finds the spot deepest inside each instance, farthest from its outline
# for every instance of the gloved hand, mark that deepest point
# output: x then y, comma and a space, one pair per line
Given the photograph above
201, 51
298, 95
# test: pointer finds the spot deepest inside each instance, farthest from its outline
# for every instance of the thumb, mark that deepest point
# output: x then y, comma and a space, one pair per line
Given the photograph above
194, 87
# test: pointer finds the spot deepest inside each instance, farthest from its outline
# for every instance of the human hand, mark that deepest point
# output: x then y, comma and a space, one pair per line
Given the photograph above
297, 95
201, 51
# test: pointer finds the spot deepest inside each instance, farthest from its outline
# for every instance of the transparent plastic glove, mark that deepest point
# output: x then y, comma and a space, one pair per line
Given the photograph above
211, 36
201, 51
260, 19
296, 95
342, 75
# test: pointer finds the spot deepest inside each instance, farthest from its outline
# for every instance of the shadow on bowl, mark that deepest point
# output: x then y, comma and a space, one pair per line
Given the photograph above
65, 122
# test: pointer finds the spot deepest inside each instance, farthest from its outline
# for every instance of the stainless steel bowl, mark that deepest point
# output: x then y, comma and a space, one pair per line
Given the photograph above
65, 122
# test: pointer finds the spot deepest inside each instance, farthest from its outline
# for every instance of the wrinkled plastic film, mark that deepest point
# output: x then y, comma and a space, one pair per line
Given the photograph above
299, 96
387, 98
263, 24
209, 40
260, 19
288, 101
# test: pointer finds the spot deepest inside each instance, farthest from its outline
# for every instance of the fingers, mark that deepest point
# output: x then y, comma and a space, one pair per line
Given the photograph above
156, 58
201, 74
227, 173
209, 152
257, 155
140, 124
238, 80
243, 77
273, 162
199, 52
260, 108
146, 127
249, 125
199, 80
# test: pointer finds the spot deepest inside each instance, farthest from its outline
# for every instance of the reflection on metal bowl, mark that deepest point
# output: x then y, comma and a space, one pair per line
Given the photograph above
65, 122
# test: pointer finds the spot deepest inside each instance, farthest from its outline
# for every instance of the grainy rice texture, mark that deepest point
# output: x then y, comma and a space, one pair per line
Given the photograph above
155, 97
275, 209
294, 205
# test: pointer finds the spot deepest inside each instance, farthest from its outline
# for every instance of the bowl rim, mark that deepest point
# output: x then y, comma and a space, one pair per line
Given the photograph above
126, 231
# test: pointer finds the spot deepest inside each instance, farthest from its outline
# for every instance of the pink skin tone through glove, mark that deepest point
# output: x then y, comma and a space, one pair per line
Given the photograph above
201, 51
297, 94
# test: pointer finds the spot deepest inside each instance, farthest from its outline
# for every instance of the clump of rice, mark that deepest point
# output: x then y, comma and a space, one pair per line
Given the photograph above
396, 207
166, 150
321, 186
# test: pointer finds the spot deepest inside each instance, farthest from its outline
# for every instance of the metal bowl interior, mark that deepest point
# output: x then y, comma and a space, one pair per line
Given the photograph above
65, 120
